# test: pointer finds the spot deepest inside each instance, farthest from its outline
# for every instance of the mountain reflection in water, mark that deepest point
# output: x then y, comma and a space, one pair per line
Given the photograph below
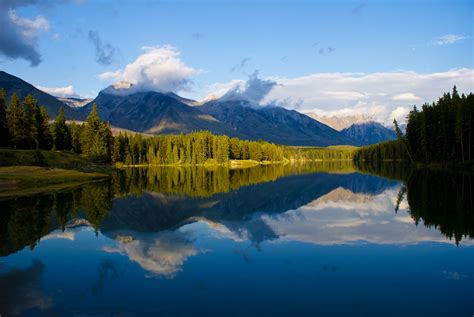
159, 219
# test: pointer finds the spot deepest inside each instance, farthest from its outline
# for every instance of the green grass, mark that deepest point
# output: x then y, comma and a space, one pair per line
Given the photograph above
57, 159
28, 180
342, 147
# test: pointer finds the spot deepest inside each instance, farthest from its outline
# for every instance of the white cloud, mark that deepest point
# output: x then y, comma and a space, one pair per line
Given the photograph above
400, 114
29, 28
159, 68
110, 76
449, 39
253, 90
59, 91
379, 95
407, 96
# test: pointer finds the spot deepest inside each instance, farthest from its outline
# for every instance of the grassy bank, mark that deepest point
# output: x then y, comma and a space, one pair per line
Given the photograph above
210, 163
27, 180
55, 159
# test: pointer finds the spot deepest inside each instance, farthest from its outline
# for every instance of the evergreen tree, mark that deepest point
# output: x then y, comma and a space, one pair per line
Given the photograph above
4, 135
30, 121
45, 139
15, 117
76, 134
97, 139
61, 135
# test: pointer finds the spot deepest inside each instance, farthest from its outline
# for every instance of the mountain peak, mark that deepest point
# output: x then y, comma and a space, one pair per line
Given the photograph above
122, 88
341, 122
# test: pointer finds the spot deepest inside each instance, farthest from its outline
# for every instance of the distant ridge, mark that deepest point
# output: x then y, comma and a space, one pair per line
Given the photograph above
274, 124
369, 133
153, 113
13, 84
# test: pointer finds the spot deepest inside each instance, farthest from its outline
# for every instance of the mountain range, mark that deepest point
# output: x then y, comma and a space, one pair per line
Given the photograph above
13, 84
126, 107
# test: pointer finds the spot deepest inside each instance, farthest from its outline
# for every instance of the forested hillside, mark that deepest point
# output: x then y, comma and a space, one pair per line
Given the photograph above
438, 132
25, 125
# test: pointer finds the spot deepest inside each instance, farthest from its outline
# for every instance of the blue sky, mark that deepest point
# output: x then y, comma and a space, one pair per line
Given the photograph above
226, 41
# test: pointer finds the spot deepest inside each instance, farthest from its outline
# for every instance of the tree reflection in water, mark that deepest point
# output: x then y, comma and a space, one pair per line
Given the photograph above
442, 200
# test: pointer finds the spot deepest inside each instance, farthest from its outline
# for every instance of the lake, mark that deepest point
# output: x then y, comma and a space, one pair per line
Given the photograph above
324, 239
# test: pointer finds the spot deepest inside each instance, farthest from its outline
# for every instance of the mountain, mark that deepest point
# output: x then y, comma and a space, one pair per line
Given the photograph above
75, 102
274, 124
152, 112
189, 102
16, 85
369, 133
340, 122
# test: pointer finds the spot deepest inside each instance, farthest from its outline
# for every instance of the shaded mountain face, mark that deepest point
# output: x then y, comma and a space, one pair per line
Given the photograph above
16, 85
189, 102
369, 133
274, 124
154, 113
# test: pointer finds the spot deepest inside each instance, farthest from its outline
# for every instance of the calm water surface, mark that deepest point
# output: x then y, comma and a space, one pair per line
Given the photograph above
304, 240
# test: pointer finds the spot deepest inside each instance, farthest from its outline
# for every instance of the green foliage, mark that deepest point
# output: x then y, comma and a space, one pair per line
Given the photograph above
319, 154
96, 140
39, 159
61, 134
4, 134
76, 135
442, 199
193, 149
30, 121
25, 221
45, 138
15, 117
439, 133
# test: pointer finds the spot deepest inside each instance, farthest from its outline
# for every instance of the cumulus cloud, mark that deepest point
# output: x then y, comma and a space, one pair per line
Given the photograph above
159, 68
253, 90
407, 96
449, 39
19, 35
380, 95
104, 51
65, 92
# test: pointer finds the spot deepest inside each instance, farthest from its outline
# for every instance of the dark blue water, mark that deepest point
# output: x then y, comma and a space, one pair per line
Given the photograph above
304, 244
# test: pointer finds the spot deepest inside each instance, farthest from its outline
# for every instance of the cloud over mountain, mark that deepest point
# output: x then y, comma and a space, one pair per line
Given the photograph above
64, 92
383, 95
159, 68
253, 90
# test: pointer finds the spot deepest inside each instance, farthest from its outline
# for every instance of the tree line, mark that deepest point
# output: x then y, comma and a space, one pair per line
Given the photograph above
26, 125
195, 148
442, 199
25, 220
439, 132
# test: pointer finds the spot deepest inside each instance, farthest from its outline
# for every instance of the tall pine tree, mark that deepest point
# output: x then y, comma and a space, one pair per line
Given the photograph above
29, 121
61, 135
45, 138
97, 138
15, 116
4, 135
